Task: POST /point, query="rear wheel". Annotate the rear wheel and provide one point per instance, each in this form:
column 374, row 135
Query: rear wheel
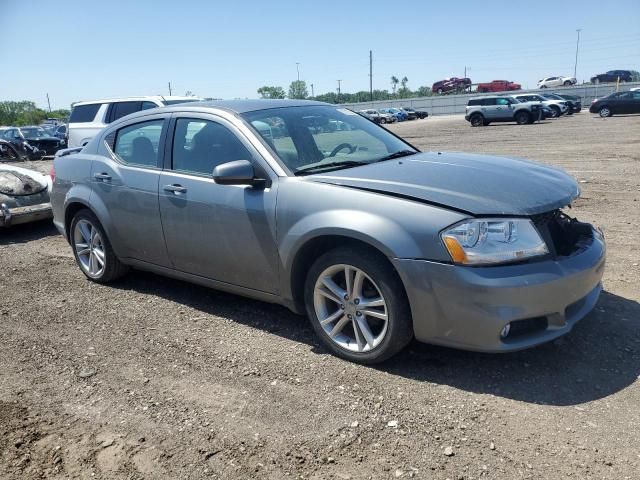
column 357, row 305
column 439, row 91
column 476, row 120
column 605, row 112
column 92, row 249
column 522, row 118
column 567, row 83
column 383, row 120
column 555, row 111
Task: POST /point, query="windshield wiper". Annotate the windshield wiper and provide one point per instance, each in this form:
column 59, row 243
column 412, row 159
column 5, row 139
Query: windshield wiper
column 328, row 166
column 391, row 156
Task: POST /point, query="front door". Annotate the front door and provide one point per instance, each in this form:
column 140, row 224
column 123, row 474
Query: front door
column 125, row 186
column 222, row 232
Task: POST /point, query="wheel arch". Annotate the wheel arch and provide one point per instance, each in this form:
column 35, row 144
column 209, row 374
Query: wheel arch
column 316, row 246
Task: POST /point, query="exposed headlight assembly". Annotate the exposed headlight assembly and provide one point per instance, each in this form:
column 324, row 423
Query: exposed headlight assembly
column 486, row 241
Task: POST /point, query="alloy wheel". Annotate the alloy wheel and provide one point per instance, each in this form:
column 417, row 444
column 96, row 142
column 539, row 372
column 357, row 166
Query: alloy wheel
column 605, row 112
column 89, row 248
column 350, row 308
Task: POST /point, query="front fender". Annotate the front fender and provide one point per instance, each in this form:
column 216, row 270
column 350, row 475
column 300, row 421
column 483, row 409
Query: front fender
column 381, row 233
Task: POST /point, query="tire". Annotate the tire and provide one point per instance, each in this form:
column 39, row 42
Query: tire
column 522, row 118
column 476, row 120
column 605, row 111
column 567, row 83
column 86, row 233
column 543, row 86
column 382, row 120
column 556, row 111
column 379, row 338
column 439, row 92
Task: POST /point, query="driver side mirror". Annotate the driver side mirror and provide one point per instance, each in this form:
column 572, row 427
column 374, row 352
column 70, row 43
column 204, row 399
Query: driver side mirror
column 238, row 172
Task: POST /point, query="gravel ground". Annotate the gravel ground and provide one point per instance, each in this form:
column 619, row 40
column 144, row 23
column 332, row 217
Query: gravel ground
column 156, row 378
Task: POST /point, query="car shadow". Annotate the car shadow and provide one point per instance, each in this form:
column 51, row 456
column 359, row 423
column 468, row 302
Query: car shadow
column 600, row 357
column 27, row 232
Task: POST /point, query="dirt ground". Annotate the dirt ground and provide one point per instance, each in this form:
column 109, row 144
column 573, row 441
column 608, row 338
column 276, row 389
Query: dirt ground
column 156, row 378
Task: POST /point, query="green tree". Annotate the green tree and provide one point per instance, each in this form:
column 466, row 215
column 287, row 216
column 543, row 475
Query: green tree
column 394, row 84
column 26, row 113
column 423, row 91
column 404, row 91
column 298, row 89
column 271, row 92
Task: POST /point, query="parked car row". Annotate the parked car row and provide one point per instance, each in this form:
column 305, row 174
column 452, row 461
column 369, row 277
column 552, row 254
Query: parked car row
column 462, row 85
column 521, row 109
column 391, row 115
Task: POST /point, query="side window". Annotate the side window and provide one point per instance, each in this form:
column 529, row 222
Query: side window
column 473, row 102
column 148, row 105
column 139, row 144
column 488, row 101
column 121, row 109
column 502, row 101
column 201, row 145
column 84, row 113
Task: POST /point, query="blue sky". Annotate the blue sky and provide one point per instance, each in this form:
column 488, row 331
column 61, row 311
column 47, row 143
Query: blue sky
column 88, row 49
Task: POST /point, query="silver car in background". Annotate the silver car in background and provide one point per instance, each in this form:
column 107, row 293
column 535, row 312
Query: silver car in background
column 375, row 241
column 557, row 107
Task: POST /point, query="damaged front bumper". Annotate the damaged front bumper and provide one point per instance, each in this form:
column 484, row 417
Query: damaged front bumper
column 18, row 215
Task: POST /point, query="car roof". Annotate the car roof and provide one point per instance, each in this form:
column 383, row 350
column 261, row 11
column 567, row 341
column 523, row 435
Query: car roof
column 232, row 106
column 135, row 98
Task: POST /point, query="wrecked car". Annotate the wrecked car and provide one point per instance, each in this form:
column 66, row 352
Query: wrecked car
column 376, row 242
column 24, row 196
column 9, row 153
column 34, row 142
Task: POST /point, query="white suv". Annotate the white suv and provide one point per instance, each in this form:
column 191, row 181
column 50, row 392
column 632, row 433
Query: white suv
column 88, row 118
column 551, row 82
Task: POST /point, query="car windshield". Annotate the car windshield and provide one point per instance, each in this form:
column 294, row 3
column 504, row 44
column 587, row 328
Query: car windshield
column 323, row 138
column 34, row 132
column 553, row 96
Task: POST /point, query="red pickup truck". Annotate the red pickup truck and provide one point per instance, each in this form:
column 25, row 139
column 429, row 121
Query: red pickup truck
column 498, row 86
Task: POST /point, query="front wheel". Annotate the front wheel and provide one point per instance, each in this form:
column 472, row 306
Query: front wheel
column 357, row 305
column 567, row 83
column 555, row 111
column 605, row 112
column 92, row 249
column 382, row 120
column 476, row 120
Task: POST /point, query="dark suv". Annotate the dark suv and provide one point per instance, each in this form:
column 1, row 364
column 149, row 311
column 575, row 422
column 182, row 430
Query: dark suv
column 613, row 75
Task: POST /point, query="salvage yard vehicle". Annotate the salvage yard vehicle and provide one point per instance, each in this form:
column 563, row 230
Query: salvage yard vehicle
column 26, row 150
column 616, row 103
column 43, row 140
column 89, row 117
column 558, row 107
column 481, row 111
column 615, row 76
column 556, row 82
column 24, row 196
column 413, row 113
column 375, row 241
column 9, row 153
column 452, row 84
column 574, row 101
column 498, row 86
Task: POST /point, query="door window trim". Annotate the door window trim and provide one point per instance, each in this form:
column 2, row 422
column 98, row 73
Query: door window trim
column 257, row 160
column 144, row 119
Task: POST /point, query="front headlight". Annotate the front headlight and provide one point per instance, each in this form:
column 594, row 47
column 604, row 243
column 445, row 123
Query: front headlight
column 493, row 240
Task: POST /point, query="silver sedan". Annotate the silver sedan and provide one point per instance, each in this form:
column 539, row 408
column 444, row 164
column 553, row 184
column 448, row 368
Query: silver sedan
column 317, row 208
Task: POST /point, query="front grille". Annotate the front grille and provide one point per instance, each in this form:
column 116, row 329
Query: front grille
column 563, row 235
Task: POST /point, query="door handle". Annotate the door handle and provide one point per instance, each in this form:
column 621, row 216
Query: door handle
column 175, row 188
column 102, row 176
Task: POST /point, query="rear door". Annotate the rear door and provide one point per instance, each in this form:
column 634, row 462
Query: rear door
column 635, row 102
column 125, row 187
column 489, row 109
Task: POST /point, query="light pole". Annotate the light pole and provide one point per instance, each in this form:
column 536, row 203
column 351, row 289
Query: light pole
column 575, row 67
column 298, row 69
column 339, row 81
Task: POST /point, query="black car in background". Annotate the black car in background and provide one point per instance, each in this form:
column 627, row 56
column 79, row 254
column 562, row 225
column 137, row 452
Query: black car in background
column 413, row 113
column 574, row 107
column 616, row 103
column 27, row 138
column 614, row 75
column 575, row 101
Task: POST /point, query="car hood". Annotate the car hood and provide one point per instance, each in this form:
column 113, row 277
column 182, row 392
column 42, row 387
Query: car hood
column 42, row 139
column 473, row 184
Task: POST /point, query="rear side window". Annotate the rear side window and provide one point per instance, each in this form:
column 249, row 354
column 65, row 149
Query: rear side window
column 488, row 101
column 120, row 109
column 84, row 113
column 139, row 144
column 474, row 101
